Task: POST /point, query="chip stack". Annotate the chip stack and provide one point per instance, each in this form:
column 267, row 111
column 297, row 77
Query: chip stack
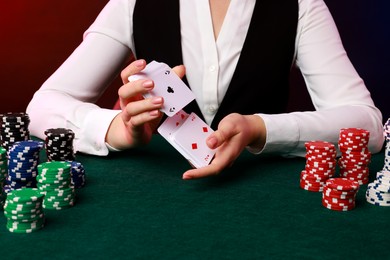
column 54, row 180
column 78, row 174
column 386, row 133
column 340, row 194
column 3, row 173
column 23, row 159
column 23, row 210
column 59, row 144
column 320, row 165
column 355, row 156
column 14, row 128
column 378, row 191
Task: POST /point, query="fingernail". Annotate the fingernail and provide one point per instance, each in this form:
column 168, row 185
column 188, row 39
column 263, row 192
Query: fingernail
column 139, row 63
column 157, row 100
column 212, row 142
column 154, row 113
column 148, row 84
column 186, row 177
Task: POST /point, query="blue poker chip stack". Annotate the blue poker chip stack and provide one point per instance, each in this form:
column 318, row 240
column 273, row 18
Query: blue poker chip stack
column 23, row 159
column 378, row 192
column 14, row 128
column 78, row 174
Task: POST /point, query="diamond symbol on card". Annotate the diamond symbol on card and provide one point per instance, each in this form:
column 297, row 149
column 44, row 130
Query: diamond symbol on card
column 205, row 129
column 194, row 146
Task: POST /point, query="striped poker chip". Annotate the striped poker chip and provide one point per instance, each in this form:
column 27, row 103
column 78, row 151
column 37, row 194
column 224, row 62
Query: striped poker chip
column 320, row 165
column 55, row 181
column 23, row 159
column 59, row 144
column 338, row 201
column 340, row 194
column 342, row 184
column 378, row 191
column 336, row 207
column 13, row 128
column 319, row 145
column 355, row 155
column 377, row 198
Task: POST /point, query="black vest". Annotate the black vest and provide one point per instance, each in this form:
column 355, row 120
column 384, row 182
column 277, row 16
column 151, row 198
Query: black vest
column 260, row 80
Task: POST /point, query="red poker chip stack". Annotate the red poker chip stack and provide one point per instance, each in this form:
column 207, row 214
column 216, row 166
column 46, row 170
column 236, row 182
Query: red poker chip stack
column 320, row 165
column 340, row 194
column 355, row 156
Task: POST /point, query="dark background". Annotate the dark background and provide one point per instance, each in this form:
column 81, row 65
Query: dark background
column 37, row 36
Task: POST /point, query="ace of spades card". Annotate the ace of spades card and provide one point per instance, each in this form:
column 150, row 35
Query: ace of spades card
column 167, row 85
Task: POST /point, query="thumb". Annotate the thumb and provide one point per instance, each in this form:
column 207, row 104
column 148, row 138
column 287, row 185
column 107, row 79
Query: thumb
column 179, row 70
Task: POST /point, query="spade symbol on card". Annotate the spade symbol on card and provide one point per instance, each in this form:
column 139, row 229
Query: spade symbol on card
column 170, row 90
column 172, row 109
column 167, row 72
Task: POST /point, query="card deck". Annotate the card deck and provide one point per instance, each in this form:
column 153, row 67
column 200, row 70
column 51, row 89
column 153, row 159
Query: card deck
column 191, row 137
column 188, row 134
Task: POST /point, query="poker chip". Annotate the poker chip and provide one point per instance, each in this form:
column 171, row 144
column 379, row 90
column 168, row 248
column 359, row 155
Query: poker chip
column 339, row 194
column 55, row 181
column 320, row 165
column 23, row 159
column 59, row 144
column 355, row 156
column 13, row 128
column 386, row 133
column 78, row 179
column 23, row 210
column 378, row 191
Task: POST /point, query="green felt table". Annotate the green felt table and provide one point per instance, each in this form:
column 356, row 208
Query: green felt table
column 136, row 206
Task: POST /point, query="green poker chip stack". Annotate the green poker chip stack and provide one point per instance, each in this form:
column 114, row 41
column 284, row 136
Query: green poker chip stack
column 3, row 174
column 54, row 180
column 23, row 209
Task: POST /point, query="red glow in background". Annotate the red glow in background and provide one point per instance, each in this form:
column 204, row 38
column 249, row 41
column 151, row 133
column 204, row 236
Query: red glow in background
column 37, row 36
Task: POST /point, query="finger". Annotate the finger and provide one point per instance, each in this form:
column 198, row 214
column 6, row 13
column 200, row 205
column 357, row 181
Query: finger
column 135, row 88
column 179, row 70
column 226, row 130
column 220, row 162
column 134, row 67
column 144, row 118
column 145, row 105
column 201, row 172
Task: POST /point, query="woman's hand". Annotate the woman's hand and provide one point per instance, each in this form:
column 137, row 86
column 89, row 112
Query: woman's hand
column 234, row 133
column 139, row 117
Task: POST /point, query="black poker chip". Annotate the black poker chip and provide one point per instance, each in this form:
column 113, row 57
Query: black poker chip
column 13, row 128
column 59, row 144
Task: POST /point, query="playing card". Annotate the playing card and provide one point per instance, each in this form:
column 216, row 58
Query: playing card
column 170, row 126
column 191, row 137
column 167, row 85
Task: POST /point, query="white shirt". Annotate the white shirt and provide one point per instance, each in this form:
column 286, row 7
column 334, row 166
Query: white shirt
column 338, row 93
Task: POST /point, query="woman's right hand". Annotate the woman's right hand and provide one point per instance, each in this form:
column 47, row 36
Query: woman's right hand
column 139, row 117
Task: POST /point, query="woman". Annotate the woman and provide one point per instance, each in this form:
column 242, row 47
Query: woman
column 237, row 56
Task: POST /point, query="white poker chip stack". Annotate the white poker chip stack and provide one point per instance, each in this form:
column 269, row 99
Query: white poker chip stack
column 378, row 191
